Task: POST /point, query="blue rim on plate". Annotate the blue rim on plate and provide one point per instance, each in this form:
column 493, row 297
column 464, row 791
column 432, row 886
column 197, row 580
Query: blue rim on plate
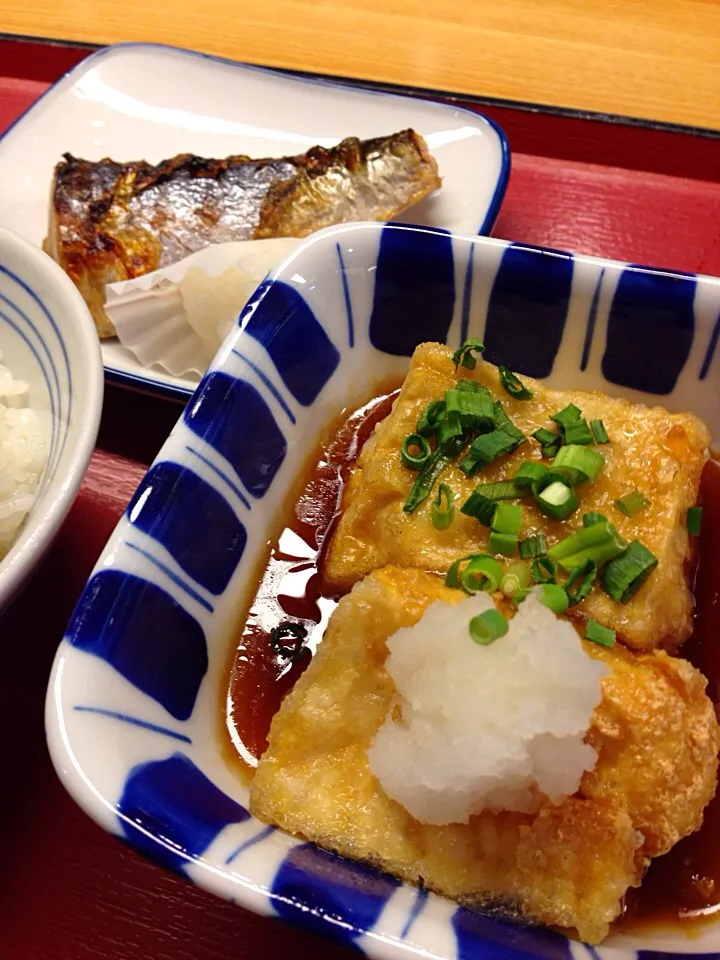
column 138, row 686
column 145, row 381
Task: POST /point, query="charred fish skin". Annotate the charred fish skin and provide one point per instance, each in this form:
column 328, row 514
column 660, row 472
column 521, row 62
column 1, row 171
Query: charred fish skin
column 113, row 221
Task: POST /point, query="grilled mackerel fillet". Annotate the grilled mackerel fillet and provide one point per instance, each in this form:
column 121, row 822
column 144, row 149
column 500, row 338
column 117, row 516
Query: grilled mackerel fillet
column 114, row 221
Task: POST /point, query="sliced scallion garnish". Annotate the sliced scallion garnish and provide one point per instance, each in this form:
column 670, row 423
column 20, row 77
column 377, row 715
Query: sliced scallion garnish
column 591, row 518
column 597, row 633
column 530, row 472
column 431, row 416
column 556, row 499
column 599, row 431
column 624, row 576
column 631, row 503
column 554, row 597
column 502, row 490
column 450, row 439
column 599, row 542
column 517, row 577
column 481, row 572
column 463, row 356
column 580, row 582
column 443, row 509
column 568, row 415
column 578, row 433
column 487, row 627
column 415, row 451
column 486, row 448
column 508, row 518
column 474, row 407
column 694, row 521
column 502, row 543
column 479, row 507
column 521, row 595
column 549, row 441
column 513, row 385
column 579, row 464
column 544, row 570
column 535, row 546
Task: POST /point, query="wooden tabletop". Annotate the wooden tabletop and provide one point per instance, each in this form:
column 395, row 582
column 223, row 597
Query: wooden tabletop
column 638, row 58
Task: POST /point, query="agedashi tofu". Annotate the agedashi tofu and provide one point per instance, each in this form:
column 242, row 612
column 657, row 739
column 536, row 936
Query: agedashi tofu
column 565, row 864
column 650, row 450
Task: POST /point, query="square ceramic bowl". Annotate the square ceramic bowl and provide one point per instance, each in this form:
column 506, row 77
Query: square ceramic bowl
column 136, row 699
column 48, row 339
column 137, row 101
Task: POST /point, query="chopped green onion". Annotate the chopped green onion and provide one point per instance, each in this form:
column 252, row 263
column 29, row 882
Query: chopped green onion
column 475, row 408
column 443, row 510
column 471, row 386
column 554, row 597
column 503, row 439
column 589, row 519
column 568, row 415
column 488, row 627
column 486, row 448
column 579, row 464
column 521, row 595
column 631, row 503
column 479, row 507
column 502, row 490
column 449, row 429
column 580, row 582
column 431, row 416
column 578, row 433
column 535, row 546
column 508, row 518
column 513, row 385
column 288, row 639
column 624, row 576
column 599, row 634
column 503, row 543
column 544, row 570
column 549, row 441
column 503, row 422
column 599, row 431
column 557, row 500
column 517, row 577
column 529, row 472
column 481, row 573
column 415, row 451
column 450, row 441
column 694, row 521
column 463, row 356
column 599, row 542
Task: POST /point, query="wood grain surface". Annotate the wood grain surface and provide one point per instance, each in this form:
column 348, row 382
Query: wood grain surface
column 653, row 59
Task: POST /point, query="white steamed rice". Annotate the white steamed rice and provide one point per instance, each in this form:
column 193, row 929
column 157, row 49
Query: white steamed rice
column 23, row 456
column 485, row 727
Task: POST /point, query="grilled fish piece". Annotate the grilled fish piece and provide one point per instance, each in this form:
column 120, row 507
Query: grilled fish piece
column 114, row 221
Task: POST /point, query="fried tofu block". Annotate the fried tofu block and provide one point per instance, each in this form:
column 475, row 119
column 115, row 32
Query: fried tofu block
column 567, row 865
column 651, row 450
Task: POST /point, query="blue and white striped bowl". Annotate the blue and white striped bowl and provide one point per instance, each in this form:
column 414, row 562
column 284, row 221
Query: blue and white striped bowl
column 47, row 338
column 137, row 695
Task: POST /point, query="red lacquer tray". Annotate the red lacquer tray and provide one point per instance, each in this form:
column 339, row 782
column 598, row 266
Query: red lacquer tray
column 599, row 186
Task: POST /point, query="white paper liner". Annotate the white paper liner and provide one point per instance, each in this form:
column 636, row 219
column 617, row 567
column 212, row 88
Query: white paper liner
column 176, row 318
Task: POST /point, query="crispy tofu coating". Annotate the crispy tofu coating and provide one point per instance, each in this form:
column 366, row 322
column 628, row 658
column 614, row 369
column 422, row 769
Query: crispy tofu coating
column 651, row 450
column 567, row 865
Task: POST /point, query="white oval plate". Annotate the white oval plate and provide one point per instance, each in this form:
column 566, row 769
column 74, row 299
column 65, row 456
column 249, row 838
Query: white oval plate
column 146, row 101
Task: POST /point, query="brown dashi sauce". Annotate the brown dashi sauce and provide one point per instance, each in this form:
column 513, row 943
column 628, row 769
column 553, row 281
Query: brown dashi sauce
column 680, row 889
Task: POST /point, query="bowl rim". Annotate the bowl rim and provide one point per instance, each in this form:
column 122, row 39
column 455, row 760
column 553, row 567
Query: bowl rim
column 206, row 875
column 39, row 529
